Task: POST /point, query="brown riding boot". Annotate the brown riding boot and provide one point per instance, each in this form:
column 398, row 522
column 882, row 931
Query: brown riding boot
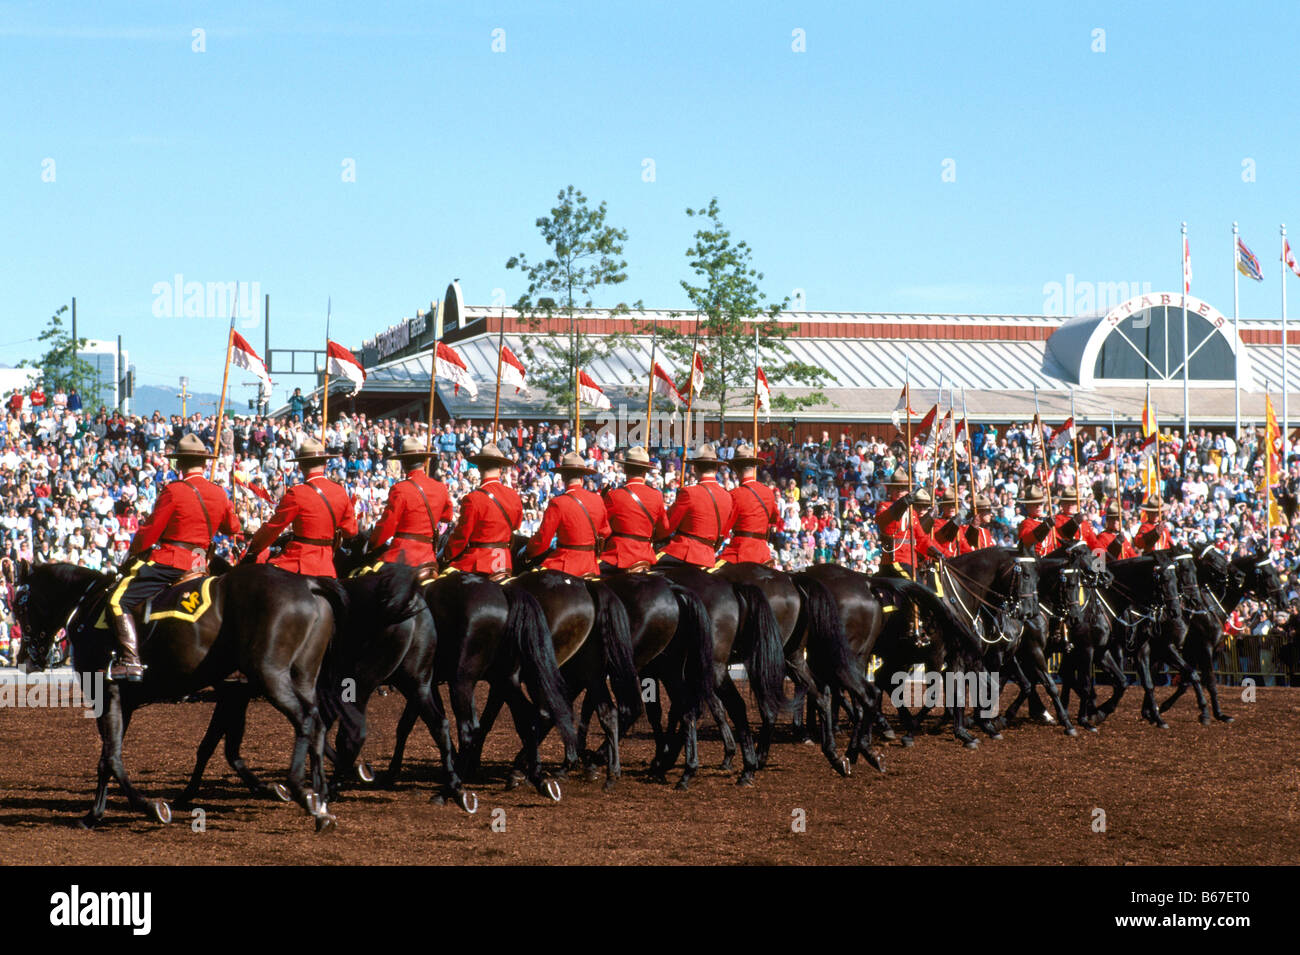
column 126, row 663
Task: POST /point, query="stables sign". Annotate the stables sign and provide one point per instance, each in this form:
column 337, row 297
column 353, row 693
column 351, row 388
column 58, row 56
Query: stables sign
column 393, row 339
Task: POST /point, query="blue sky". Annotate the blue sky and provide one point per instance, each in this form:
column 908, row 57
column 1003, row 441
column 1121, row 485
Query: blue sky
column 227, row 164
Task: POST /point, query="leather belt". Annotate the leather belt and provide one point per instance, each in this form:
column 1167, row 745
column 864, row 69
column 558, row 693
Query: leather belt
column 712, row 542
column 317, row 541
column 186, row 545
column 422, row 538
column 633, row 537
column 490, row 544
column 564, row 546
column 754, row 534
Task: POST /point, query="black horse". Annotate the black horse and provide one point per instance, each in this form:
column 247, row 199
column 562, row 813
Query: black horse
column 904, row 623
column 272, row 625
column 1223, row 584
column 745, row 631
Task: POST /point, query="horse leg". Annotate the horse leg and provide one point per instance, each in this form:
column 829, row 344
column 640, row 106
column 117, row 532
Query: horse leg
column 301, row 713
column 734, row 704
column 405, row 723
column 207, row 746
column 112, row 728
column 1043, row 675
column 718, row 710
column 527, row 722
column 1150, row 711
column 819, row 697
column 422, row 696
column 1212, row 684
column 468, row 728
column 607, row 713
column 1116, row 674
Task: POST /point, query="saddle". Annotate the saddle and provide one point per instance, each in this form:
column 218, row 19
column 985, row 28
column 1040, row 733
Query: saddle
column 188, row 599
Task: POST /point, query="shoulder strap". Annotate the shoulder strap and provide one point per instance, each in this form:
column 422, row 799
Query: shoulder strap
column 717, row 515
column 206, row 518
column 433, row 525
column 334, row 520
column 500, row 507
column 595, row 538
column 644, row 510
column 758, row 497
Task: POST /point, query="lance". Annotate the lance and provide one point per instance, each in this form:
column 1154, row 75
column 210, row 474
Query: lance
column 501, row 344
column 433, row 384
column 907, row 512
column 225, row 380
column 325, row 398
column 690, row 397
column 952, row 410
column 1078, row 465
column 756, row 389
column 1114, row 452
column 650, row 395
column 970, row 459
column 1042, row 440
column 577, row 408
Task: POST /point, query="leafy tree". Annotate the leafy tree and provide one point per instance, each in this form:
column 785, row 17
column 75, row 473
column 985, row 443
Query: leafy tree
column 731, row 307
column 61, row 367
column 585, row 255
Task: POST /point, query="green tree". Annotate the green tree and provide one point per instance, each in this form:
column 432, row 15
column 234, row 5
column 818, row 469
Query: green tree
column 585, row 255
column 61, row 367
column 731, row 307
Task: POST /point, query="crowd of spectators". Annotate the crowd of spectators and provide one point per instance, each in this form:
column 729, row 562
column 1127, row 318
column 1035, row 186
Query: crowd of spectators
column 75, row 483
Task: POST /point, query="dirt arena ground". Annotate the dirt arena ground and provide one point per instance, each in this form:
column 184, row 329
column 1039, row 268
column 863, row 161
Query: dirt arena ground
column 1192, row 795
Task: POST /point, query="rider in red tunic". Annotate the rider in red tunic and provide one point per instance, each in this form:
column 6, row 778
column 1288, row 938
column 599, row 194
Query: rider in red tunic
column 977, row 535
column 1071, row 524
column 636, row 516
column 1153, row 535
column 1035, row 533
column 575, row 520
column 415, row 508
column 898, row 525
column 700, row 515
column 319, row 512
column 1112, row 540
column 944, row 529
column 489, row 516
column 753, row 515
column 176, row 536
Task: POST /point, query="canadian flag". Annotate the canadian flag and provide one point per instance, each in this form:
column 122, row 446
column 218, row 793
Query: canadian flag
column 663, row 385
column 242, row 355
column 451, row 364
column 1062, row 436
column 923, row 429
column 762, row 393
column 513, row 371
column 590, row 393
column 695, row 383
column 343, row 364
column 1289, row 257
column 901, row 408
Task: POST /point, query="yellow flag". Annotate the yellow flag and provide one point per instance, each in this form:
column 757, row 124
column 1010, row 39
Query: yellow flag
column 1272, row 463
column 1151, row 461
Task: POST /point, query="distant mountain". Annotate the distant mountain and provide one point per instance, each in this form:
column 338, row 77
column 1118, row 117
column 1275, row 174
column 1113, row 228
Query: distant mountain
column 151, row 398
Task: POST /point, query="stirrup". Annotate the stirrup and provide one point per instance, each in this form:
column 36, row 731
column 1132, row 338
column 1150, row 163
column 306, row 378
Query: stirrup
column 129, row 672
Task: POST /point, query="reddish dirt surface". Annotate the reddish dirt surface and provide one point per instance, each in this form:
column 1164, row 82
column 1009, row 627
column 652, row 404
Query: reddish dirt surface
column 1191, row 795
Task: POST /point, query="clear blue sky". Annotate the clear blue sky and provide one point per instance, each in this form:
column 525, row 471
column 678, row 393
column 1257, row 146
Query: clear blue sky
column 227, row 164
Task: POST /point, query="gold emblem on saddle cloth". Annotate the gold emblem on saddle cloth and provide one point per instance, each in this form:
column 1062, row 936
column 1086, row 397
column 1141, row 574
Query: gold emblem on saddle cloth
column 190, row 607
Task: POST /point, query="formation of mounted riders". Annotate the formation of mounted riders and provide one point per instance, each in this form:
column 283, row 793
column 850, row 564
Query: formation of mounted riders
column 615, row 599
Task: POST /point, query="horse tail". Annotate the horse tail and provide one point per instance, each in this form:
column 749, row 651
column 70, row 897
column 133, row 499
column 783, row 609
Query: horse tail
column 397, row 587
column 615, row 632
column 541, row 672
column 696, row 626
column 335, row 595
column 940, row 610
column 765, row 664
column 829, row 657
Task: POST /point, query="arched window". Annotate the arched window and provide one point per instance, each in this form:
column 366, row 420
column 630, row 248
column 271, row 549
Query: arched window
column 1149, row 345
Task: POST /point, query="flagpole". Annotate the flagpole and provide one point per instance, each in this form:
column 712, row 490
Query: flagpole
column 650, row 396
column 970, row 456
column 433, row 379
column 911, row 524
column 756, row 389
column 1236, row 338
column 956, row 478
column 577, row 409
column 1286, row 380
column 1268, row 457
column 225, row 380
column 1074, row 440
column 501, row 344
column 1187, row 372
column 1114, row 454
column 325, row 398
column 1042, row 443
column 690, row 397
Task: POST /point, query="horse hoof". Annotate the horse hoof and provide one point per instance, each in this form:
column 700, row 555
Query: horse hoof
column 438, row 799
column 513, row 780
column 1047, row 719
column 1206, row 721
column 746, row 779
column 1227, row 719
column 1071, row 731
column 972, row 744
column 325, row 822
column 468, row 801
column 1091, row 728
column 996, row 736
column 609, row 784
column 553, row 790
column 843, row 768
column 87, row 823
column 591, row 774
column 889, row 735
column 725, row 765
column 876, row 760
column 659, row 778
column 683, row 784
column 281, row 792
column 908, row 742
column 1161, row 724
column 161, row 811
column 365, row 773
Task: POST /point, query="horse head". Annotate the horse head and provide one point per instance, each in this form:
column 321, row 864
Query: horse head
column 1264, row 580
column 1189, row 582
column 1168, row 588
column 39, row 615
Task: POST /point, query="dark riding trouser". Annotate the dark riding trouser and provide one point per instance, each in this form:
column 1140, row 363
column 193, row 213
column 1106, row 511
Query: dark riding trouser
column 142, row 582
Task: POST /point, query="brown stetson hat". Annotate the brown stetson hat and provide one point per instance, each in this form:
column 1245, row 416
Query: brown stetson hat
column 1152, row 505
column 1112, row 509
column 189, row 446
column 922, row 498
column 745, row 457
column 413, row 449
column 491, row 457
column 310, row 450
column 1033, row 494
column 704, row 459
column 572, row 463
column 1068, row 496
column 637, row 459
column 982, row 503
